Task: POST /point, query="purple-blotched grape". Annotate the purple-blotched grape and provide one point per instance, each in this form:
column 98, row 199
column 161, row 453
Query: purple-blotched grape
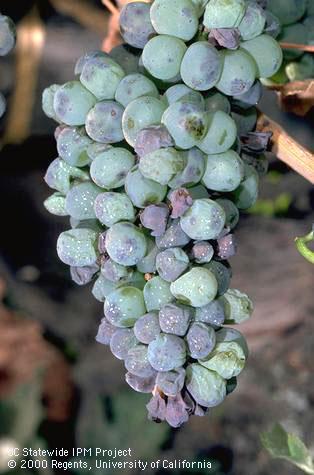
column 137, row 362
column 175, row 319
column 121, row 342
column 167, row 352
column 201, row 340
column 147, row 328
column 171, row 263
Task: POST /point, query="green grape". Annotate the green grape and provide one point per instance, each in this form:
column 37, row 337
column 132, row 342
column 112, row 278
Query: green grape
column 207, row 387
column 309, row 24
column 124, row 306
column 238, row 72
column 167, row 352
column 201, row 66
column 79, row 202
column 224, row 14
column 139, row 114
column 231, row 211
column 102, row 288
column 7, row 35
column 304, row 69
column 55, row 204
column 48, row 101
column 227, row 359
column 72, row 144
column 267, row 63
column 287, row 11
column 221, row 135
column 72, row 102
column 80, row 63
column 162, row 165
column 101, row 76
column 141, row 191
column 96, row 148
column 222, row 274
column 110, row 208
column 224, row 172
column 157, row 294
column 104, row 122
column 193, row 171
column 197, row 288
column 134, row 86
column 181, row 92
column 246, row 195
column 253, row 22
column 92, row 224
column 215, row 101
column 177, row 18
column 127, row 57
column 186, row 122
column 162, row 56
column 60, row 175
column 110, row 168
column 228, row 334
column 126, row 244
column 200, row 6
column 137, row 280
column 77, row 247
column 238, row 307
column 204, row 220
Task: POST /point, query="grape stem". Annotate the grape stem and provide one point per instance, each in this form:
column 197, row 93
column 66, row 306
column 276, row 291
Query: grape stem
column 301, row 47
column 287, row 149
column 110, row 6
column 302, row 246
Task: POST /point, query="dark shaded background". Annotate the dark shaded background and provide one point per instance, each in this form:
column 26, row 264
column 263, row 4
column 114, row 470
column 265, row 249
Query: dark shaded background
column 69, row 391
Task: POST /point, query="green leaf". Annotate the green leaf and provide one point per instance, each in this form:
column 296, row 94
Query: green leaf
column 281, row 444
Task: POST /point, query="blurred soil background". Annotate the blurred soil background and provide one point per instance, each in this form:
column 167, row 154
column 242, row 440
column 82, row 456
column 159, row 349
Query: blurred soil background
column 59, row 387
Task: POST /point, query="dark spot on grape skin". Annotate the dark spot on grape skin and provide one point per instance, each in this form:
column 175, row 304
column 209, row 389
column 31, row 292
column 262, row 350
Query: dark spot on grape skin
column 130, row 123
column 238, row 86
column 195, row 127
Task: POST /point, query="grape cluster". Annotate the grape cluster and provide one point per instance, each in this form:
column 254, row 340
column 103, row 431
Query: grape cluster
column 296, row 25
column 157, row 155
column 7, row 42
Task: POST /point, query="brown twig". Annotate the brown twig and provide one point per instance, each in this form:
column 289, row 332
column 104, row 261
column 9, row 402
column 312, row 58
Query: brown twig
column 301, row 47
column 83, row 12
column 110, row 6
column 287, row 149
column 296, row 96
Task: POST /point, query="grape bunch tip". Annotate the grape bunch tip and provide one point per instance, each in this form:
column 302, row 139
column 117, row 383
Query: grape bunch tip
column 157, row 156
